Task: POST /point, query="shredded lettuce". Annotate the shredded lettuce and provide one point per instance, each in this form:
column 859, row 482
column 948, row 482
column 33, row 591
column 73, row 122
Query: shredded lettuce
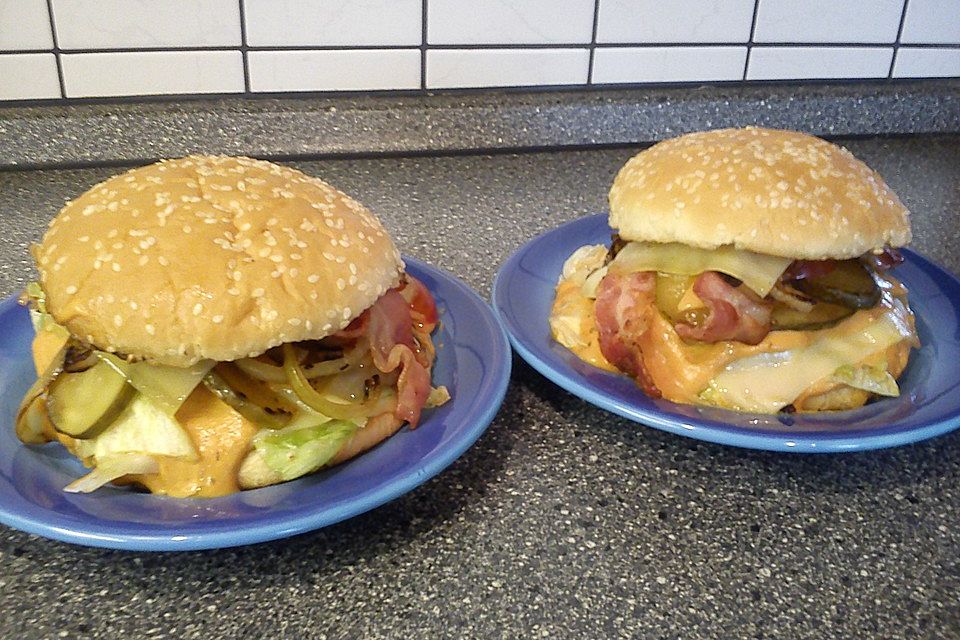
column 298, row 450
column 142, row 427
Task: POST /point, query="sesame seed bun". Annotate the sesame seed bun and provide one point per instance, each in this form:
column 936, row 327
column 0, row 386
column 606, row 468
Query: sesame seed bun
column 212, row 257
column 775, row 192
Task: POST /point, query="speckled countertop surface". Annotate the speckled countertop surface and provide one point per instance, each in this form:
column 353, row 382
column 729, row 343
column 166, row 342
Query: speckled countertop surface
column 562, row 521
column 97, row 133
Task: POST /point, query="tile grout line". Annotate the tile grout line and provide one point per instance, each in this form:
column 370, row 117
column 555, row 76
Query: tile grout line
column 593, row 41
column 753, row 29
column 56, row 50
column 491, row 47
column 423, row 45
column 896, row 44
column 244, row 49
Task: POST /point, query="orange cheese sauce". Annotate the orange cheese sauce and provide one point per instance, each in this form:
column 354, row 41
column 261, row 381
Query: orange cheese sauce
column 222, row 439
column 570, row 301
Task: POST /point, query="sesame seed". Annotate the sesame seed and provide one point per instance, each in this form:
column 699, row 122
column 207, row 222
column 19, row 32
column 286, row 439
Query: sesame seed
column 197, row 309
column 313, row 278
column 256, row 293
column 217, row 319
column 71, row 290
column 117, row 321
column 150, row 329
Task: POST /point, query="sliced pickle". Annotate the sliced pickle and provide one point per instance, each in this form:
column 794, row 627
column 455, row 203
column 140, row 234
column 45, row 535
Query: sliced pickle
column 670, row 291
column 83, row 404
column 821, row 316
column 849, row 284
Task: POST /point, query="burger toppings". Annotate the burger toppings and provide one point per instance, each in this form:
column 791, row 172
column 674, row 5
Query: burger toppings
column 759, row 272
column 768, row 381
column 734, row 313
column 713, row 307
column 307, row 405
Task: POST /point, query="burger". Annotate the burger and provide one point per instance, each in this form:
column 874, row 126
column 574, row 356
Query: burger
column 210, row 324
column 749, row 270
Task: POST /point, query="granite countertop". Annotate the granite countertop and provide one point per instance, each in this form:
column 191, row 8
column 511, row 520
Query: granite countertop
column 563, row 521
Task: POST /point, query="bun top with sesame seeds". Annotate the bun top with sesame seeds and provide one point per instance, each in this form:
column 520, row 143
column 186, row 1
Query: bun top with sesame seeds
column 212, row 257
column 775, row 192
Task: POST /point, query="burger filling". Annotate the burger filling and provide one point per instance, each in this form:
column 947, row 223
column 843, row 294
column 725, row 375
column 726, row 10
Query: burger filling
column 737, row 329
column 215, row 427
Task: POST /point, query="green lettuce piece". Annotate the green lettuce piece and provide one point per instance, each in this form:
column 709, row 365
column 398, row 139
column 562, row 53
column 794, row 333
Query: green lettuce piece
column 296, row 451
column 869, row 378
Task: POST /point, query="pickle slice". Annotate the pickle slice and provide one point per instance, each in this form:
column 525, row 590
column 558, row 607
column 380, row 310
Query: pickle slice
column 849, row 284
column 821, row 316
column 670, row 291
column 85, row 403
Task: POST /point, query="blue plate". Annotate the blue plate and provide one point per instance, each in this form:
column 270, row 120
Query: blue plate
column 929, row 403
column 473, row 361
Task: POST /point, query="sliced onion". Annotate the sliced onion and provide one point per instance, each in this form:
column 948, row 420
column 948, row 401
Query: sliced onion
column 260, row 370
column 249, row 410
column 267, row 372
column 110, row 468
column 310, row 396
column 791, row 297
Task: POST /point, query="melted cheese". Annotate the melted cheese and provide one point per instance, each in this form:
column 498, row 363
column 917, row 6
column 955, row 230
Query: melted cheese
column 757, row 271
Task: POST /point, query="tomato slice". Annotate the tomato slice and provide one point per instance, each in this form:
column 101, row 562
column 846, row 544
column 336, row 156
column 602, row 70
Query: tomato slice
column 422, row 305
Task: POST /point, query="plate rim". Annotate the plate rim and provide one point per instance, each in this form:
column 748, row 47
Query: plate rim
column 480, row 415
column 796, row 442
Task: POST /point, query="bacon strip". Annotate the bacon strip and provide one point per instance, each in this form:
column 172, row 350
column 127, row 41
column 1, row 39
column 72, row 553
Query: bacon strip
column 392, row 345
column 735, row 313
column 621, row 309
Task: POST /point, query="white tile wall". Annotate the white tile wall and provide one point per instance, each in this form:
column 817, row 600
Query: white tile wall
column 509, row 21
column 668, row 64
column 828, row 20
column 807, row 63
column 657, row 21
column 110, row 48
column 932, row 21
column 135, row 24
column 150, row 73
column 28, row 76
column 927, row 63
column 453, row 68
column 325, row 23
column 355, row 70
column 24, row 24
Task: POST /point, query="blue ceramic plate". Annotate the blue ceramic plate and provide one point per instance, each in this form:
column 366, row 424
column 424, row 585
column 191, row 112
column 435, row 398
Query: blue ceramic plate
column 473, row 361
column 929, row 403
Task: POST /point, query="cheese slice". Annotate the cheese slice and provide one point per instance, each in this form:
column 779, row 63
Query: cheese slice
column 758, row 271
column 767, row 382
